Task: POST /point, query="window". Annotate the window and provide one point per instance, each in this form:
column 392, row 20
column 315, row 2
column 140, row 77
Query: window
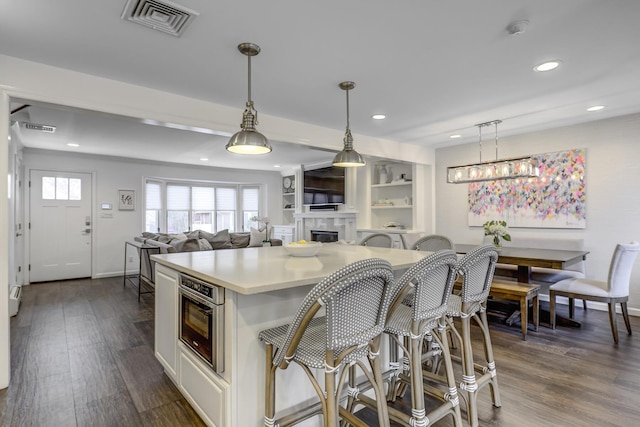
column 60, row 188
column 153, row 206
column 199, row 206
column 250, row 204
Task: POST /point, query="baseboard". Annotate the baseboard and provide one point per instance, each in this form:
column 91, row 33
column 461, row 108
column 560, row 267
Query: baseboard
column 113, row 274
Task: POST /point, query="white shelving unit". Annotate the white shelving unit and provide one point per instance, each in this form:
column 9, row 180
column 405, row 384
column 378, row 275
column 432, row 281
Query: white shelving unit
column 392, row 194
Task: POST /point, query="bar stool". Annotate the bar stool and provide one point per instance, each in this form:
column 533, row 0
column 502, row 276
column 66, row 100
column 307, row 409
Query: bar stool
column 425, row 290
column 356, row 299
column 476, row 269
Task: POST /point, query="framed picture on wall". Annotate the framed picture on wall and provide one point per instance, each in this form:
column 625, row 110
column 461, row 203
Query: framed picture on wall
column 126, row 200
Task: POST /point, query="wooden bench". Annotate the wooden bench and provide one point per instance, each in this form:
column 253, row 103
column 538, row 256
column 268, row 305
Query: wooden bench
column 523, row 293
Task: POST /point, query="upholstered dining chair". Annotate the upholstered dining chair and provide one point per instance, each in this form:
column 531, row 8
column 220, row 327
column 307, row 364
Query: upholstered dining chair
column 614, row 290
column 378, row 240
column 433, row 243
column 476, row 270
column 356, row 300
column 425, row 290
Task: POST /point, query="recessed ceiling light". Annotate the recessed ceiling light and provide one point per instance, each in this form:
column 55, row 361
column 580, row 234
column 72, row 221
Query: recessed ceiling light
column 455, row 136
column 204, row 159
column 71, row 144
column 596, row 108
column 276, row 166
column 547, row 66
column 378, row 117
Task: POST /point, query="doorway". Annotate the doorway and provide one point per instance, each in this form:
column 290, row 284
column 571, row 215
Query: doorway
column 60, row 225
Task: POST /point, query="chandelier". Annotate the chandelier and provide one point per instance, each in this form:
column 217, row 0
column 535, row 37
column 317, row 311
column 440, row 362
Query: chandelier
column 518, row 167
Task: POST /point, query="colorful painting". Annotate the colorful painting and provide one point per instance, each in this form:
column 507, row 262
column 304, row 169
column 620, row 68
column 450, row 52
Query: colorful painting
column 555, row 199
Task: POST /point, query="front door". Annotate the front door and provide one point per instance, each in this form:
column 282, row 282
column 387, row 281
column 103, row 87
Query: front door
column 60, row 225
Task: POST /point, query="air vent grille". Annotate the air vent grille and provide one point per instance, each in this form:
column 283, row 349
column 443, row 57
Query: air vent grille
column 42, row 128
column 163, row 16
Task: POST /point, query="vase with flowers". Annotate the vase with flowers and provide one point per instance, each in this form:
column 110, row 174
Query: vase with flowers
column 263, row 225
column 499, row 231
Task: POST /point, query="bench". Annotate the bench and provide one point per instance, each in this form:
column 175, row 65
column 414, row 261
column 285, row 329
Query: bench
column 523, row 293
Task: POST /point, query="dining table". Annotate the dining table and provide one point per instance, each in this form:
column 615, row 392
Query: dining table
column 525, row 259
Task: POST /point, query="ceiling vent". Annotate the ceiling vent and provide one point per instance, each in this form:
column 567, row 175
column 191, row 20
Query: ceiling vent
column 41, row 128
column 163, row 16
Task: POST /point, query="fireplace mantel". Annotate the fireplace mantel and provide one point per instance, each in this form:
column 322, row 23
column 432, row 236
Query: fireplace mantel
column 344, row 222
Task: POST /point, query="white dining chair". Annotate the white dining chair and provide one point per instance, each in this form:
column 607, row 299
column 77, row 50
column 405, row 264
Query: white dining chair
column 614, row 290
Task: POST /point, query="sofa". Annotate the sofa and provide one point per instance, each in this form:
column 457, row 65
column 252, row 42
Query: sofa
column 191, row 241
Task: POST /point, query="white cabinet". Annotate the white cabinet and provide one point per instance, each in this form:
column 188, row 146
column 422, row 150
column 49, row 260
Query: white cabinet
column 166, row 320
column 207, row 393
column 286, row 233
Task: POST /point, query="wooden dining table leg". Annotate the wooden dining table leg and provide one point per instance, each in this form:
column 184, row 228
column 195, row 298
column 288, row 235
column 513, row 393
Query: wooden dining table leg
column 524, row 274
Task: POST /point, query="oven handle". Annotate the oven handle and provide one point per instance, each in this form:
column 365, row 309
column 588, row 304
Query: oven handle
column 195, row 296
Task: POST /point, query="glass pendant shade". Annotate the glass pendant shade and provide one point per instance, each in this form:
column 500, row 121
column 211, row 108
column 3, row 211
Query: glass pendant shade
column 348, row 157
column 249, row 140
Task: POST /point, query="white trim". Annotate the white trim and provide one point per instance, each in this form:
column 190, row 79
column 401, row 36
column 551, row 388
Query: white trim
column 5, row 353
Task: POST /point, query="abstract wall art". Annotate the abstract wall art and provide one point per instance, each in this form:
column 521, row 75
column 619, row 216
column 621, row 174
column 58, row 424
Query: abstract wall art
column 555, row 199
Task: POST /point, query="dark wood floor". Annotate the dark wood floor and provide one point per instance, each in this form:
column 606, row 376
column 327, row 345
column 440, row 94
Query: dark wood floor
column 82, row 354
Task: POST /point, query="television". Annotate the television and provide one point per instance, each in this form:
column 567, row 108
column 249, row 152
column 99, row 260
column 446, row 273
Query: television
column 324, row 186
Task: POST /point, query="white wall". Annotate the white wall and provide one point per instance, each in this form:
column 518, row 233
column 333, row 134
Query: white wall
column 111, row 174
column 612, row 181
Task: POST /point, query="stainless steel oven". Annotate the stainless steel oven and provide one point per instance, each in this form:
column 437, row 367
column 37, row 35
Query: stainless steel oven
column 202, row 319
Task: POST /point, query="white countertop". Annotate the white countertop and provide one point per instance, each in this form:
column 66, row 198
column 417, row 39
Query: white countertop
column 255, row 270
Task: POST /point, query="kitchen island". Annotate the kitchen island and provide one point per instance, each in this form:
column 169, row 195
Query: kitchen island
column 263, row 288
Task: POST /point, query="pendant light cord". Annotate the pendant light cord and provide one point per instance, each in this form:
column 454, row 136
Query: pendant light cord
column 348, row 122
column 249, row 78
column 496, row 126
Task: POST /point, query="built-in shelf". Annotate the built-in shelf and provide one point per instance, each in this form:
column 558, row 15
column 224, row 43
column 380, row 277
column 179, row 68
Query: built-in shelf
column 392, row 207
column 392, row 184
column 391, row 194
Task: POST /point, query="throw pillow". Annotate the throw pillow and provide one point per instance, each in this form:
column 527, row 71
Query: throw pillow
column 195, row 234
column 220, row 240
column 257, row 237
column 186, row 245
column 240, row 240
column 204, row 245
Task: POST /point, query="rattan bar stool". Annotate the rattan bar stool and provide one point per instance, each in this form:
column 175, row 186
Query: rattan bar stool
column 356, row 300
column 425, row 290
column 476, row 270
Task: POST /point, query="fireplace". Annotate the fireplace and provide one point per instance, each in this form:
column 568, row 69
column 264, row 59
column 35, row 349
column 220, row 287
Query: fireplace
column 324, row 236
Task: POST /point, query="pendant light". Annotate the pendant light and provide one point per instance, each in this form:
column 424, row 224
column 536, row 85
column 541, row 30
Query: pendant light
column 249, row 140
column 348, row 157
column 519, row 167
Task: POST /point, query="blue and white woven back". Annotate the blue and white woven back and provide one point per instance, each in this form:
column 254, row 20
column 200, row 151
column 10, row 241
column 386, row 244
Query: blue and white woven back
column 477, row 268
column 356, row 300
column 433, row 278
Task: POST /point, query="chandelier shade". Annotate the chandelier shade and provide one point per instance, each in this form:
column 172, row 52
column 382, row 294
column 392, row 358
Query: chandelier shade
column 518, row 167
column 249, row 140
column 348, row 157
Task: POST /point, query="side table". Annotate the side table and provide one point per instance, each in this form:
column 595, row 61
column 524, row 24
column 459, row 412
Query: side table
column 139, row 279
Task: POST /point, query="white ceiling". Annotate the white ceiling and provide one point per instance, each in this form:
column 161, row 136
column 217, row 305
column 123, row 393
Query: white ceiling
column 434, row 67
